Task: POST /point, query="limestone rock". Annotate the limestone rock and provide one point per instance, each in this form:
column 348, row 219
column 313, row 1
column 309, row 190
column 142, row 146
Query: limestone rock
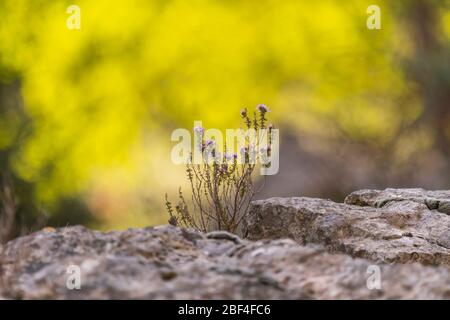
column 434, row 200
column 167, row 262
column 390, row 226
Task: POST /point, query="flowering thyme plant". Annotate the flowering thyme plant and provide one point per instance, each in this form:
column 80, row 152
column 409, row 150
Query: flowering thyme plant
column 222, row 184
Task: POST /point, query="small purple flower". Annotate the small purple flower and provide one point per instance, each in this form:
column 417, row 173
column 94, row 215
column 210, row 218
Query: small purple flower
column 243, row 112
column 209, row 143
column 208, row 146
column 270, row 126
column 262, row 108
column 228, row 156
column 200, row 130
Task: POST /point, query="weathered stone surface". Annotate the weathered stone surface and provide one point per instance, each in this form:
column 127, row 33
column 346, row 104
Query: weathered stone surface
column 167, row 262
column 401, row 226
column 434, row 200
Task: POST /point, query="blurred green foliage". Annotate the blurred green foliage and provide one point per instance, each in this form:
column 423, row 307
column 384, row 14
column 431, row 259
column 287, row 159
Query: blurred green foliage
column 94, row 107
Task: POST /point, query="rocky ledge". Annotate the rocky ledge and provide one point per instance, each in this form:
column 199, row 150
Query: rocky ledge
column 391, row 226
column 166, row 262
